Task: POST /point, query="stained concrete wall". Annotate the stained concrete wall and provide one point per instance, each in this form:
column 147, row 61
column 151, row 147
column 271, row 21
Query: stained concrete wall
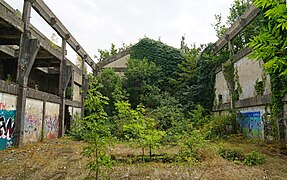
column 119, row 63
column 78, row 78
column 221, row 89
column 52, row 120
column 249, row 72
column 33, row 121
column 251, row 107
column 7, row 119
column 77, row 93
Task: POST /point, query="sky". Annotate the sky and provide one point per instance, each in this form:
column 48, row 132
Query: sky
column 97, row 23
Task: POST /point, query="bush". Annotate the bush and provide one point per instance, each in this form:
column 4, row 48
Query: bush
column 221, row 126
column 254, row 158
column 190, row 143
column 231, row 154
column 250, row 159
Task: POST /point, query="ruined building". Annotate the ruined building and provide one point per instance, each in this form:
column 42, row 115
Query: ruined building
column 40, row 89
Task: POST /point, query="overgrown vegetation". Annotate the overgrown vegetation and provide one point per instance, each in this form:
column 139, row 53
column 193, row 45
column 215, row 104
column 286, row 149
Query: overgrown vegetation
column 251, row 159
column 270, row 46
column 167, row 94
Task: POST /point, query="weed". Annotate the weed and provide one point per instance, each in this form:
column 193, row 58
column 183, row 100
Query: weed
column 254, row 158
column 231, row 154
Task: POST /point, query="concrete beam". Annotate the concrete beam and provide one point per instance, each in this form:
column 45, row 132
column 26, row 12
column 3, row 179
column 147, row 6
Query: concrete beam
column 8, row 15
column 237, row 27
column 250, row 102
column 9, row 51
column 44, row 11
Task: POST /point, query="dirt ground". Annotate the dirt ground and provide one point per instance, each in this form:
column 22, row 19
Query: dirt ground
column 62, row 159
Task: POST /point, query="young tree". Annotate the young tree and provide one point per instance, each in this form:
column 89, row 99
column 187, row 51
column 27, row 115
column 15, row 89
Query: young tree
column 95, row 130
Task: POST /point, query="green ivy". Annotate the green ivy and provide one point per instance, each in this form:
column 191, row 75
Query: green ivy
column 260, row 85
column 164, row 56
column 270, row 46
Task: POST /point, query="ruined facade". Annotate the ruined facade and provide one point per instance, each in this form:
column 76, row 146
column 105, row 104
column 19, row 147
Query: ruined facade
column 40, row 89
column 252, row 84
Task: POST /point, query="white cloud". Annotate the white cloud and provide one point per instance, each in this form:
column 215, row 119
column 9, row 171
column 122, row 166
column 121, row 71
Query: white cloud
column 97, row 24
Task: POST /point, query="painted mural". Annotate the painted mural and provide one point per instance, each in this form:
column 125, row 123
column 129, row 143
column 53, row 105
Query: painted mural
column 33, row 121
column 7, row 120
column 52, row 120
column 251, row 124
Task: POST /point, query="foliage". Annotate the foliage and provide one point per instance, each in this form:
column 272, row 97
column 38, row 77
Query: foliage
column 110, row 85
column 199, row 117
column 187, row 77
column 95, row 129
column 138, row 127
column 190, row 143
column 270, row 46
column 221, row 126
column 105, row 53
column 69, row 92
column 231, row 154
column 54, row 40
column 235, row 11
column 125, row 115
column 232, row 79
column 250, row 159
column 141, row 80
column 254, row 158
column 260, row 85
column 163, row 56
column 168, row 113
column 203, row 93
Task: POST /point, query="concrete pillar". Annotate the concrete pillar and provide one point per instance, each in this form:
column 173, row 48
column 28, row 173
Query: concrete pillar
column 65, row 76
column 28, row 51
column 43, row 122
column 62, row 91
column 84, row 90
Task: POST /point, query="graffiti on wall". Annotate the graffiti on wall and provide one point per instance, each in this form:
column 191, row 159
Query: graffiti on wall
column 52, row 120
column 52, row 126
column 7, row 128
column 251, row 124
column 33, row 120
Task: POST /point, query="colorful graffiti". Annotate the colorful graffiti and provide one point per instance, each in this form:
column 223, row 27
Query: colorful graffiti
column 7, row 128
column 251, row 124
column 33, row 120
column 32, row 128
column 52, row 126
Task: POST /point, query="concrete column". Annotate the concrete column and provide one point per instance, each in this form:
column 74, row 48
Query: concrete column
column 65, row 76
column 83, row 88
column 43, row 122
column 28, row 51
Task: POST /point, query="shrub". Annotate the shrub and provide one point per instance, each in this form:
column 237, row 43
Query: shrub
column 190, row 144
column 230, row 154
column 254, row 158
column 221, row 126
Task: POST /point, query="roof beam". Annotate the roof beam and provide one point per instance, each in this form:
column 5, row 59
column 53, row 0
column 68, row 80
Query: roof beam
column 236, row 27
column 44, row 11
